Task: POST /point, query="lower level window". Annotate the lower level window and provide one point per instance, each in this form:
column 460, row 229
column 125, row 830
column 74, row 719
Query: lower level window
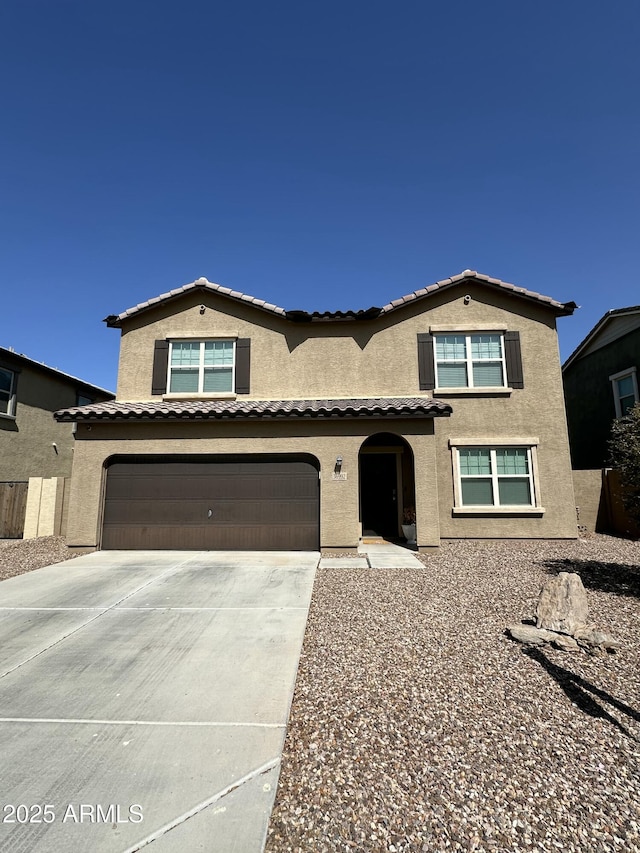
column 495, row 476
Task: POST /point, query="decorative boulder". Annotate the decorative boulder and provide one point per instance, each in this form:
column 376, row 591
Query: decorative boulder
column 562, row 606
column 565, row 643
column 530, row 635
column 591, row 640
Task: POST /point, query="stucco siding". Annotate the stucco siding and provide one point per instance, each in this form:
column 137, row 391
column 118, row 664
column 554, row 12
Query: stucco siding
column 339, row 359
column 339, row 499
column 351, row 359
column 26, row 443
column 590, row 401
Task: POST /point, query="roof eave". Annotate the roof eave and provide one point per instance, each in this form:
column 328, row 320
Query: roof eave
column 279, row 410
column 115, row 321
column 19, row 359
column 602, row 322
column 301, row 316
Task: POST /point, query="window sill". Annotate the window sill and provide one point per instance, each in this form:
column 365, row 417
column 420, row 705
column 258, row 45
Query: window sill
column 498, row 510
column 220, row 395
column 472, row 392
column 7, row 417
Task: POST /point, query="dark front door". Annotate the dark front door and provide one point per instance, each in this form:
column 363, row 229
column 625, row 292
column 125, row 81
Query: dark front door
column 379, row 493
column 199, row 504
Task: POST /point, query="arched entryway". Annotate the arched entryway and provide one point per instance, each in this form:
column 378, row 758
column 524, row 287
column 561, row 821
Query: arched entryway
column 387, row 485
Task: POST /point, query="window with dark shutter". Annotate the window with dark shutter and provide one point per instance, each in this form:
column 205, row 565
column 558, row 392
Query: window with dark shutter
column 513, row 358
column 243, row 366
column 160, row 366
column 426, row 371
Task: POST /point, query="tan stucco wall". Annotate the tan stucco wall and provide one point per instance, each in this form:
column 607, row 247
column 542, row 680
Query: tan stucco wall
column 588, row 487
column 364, row 359
column 339, row 359
column 339, row 499
column 535, row 411
column 45, row 507
column 26, row 443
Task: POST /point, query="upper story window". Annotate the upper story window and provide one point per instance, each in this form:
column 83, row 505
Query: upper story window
column 470, row 361
column 81, row 400
column 625, row 390
column 465, row 360
column 201, row 367
column 7, row 392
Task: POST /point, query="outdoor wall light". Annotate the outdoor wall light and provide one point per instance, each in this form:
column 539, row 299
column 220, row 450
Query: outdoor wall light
column 202, row 309
column 338, row 463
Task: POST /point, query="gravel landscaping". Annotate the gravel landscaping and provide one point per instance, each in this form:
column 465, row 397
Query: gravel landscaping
column 18, row 556
column 417, row 725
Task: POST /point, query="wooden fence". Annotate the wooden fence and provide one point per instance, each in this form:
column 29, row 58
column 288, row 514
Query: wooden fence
column 619, row 521
column 13, row 506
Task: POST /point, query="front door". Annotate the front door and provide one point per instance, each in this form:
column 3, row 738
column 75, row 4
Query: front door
column 379, row 494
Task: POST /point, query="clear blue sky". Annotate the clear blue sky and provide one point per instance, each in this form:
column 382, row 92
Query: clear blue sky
column 325, row 155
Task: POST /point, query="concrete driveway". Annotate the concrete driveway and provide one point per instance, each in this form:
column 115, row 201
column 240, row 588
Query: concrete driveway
column 144, row 698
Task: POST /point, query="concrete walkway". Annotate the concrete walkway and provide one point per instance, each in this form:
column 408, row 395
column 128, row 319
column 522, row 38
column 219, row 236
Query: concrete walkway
column 144, row 698
column 383, row 555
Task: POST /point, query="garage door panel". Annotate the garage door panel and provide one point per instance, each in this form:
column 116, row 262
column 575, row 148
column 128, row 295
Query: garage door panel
column 225, row 538
column 240, row 505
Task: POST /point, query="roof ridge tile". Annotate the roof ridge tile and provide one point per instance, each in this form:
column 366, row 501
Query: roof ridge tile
column 473, row 275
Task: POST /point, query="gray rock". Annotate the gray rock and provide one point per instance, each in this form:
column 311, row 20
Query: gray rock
column 590, row 639
column 562, row 605
column 565, row 643
column 529, row 634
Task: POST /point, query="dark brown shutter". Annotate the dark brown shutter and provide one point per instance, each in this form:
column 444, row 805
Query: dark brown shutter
column 513, row 358
column 426, row 369
column 160, row 364
column 243, row 365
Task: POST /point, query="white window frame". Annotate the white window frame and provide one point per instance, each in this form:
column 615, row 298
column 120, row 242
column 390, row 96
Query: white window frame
column 11, row 402
column 201, row 368
column 615, row 378
column 469, row 361
column 492, row 444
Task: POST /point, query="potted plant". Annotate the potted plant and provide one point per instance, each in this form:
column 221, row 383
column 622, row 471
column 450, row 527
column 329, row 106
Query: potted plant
column 409, row 524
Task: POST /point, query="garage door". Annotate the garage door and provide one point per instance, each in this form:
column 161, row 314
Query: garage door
column 212, row 504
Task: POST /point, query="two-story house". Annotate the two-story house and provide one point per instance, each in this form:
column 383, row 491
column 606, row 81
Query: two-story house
column 239, row 425
column 32, row 444
column 601, row 384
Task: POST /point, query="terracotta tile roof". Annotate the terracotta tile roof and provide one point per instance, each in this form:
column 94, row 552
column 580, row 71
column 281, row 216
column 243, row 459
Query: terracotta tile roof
column 199, row 284
column 251, row 409
column 116, row 320
column 476, row 277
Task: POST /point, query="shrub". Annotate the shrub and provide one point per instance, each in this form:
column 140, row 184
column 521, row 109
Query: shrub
column 624, row 451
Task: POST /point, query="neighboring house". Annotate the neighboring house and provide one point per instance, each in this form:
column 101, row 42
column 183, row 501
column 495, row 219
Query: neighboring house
column 240, row 425
column 32, row 443
column 601, row 384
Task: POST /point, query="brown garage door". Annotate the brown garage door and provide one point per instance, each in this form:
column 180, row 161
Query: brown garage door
column 212, row 503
